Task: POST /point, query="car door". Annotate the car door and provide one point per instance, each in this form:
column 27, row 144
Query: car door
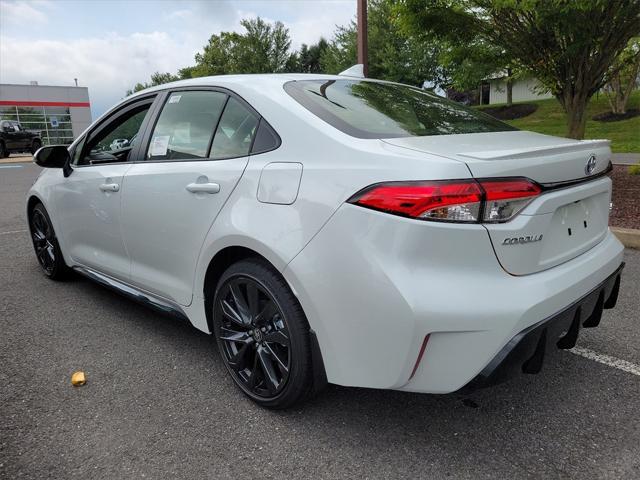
column 23, row 136
column 88, row 202
column 194, row 156
column 11, row 136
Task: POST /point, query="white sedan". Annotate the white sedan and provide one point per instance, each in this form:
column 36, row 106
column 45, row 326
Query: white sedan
column 340, row 229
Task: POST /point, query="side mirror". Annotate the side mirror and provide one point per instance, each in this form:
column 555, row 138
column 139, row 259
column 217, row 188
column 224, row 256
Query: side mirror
column 54, row 156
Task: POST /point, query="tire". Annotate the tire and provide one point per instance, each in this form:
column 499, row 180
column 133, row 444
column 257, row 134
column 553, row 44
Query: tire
column 4, row 153
column 35, row 145
column 262, row 335
column 46, row 244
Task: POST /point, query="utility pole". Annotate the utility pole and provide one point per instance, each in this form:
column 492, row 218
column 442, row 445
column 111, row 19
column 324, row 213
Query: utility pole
column 363, row 47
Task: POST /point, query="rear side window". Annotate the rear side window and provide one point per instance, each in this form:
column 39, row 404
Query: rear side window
column 235, row 131
column 266, row 138
column 186, row 124
column 366, row 109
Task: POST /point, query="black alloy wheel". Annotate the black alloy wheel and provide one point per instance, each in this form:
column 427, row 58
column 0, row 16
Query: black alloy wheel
column 3, row 150
column 46, row 245
column 262, row 334
column 255, row 339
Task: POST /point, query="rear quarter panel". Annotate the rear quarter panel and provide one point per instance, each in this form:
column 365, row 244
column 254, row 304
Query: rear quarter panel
column 334, row 165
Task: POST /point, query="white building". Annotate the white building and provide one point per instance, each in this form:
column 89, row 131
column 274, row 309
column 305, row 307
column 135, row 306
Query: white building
column 524, row 89
column 58, row 113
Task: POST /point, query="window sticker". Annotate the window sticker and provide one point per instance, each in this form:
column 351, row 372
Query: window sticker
column 159, row 146
column 175, row 98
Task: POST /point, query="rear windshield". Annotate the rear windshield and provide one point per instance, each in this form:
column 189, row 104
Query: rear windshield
column 383, row 110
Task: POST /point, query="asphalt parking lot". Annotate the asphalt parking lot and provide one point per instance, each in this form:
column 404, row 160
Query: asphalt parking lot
column 158, row 402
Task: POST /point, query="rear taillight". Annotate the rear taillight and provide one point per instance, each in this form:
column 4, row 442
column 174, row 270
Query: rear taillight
column 451, row 201
column 504, row 199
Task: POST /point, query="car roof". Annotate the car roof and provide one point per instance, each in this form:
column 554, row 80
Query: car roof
column 237, row 80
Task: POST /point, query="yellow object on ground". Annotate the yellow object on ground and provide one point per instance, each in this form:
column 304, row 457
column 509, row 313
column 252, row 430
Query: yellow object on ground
column 78, row 379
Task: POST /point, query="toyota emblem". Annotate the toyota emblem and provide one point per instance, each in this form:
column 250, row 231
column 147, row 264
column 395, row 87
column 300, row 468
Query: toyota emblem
column 591, row 165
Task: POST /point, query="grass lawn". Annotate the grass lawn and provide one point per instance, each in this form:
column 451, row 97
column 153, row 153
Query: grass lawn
column 549, row 119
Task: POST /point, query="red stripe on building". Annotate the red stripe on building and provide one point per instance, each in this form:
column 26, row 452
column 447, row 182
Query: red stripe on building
column 24, row 103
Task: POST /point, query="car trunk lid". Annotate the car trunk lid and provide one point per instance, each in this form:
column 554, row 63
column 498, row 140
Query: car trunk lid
column 570, row 216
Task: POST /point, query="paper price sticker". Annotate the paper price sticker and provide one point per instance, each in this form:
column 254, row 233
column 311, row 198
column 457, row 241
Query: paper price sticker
column 159, row 146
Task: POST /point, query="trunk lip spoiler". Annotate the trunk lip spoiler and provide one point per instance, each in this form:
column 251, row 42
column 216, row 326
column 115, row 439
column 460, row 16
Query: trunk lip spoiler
column 577, row 181
column 534, row 151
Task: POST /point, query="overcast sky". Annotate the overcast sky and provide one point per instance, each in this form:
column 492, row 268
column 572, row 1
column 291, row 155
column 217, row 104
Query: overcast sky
column 110, row 45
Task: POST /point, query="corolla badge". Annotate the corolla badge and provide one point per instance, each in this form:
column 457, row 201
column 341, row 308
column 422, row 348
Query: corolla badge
column 522, row 240
column 591, row 165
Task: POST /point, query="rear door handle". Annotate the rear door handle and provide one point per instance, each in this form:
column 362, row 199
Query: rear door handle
column 109, row 187
column 203, row 188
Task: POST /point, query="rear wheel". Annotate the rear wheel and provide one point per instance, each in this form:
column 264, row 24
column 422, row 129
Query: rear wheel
column 262, row 334
column 35, row 145
column 46, row 244
column 3, row 150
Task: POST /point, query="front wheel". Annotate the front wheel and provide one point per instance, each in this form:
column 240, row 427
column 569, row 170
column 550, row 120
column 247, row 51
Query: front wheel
column 35, row 146
column 262, row 334
column 46, row 244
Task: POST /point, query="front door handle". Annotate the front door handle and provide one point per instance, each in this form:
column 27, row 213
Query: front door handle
column 203, row 188
column 109, row 187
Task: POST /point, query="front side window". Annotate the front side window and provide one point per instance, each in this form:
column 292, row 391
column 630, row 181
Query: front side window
column 115, row 142
column 185, row 127
column 366, row 109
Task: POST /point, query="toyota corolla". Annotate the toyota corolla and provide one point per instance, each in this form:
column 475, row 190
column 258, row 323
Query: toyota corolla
column 336, row 229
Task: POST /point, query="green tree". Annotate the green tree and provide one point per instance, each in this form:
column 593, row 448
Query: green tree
column 340, row 54
column 568, row 45
column 392, row 55
column 157, row 78
column 467, row 64
column 624, row 77
column 310, row 56
column 263, row 48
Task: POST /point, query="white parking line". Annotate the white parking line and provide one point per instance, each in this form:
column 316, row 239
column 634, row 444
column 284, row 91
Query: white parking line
column 607, row 360
column 13, row 231
column 11, row 166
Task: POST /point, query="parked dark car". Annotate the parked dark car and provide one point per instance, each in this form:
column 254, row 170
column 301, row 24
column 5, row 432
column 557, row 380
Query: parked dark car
column 14, row 138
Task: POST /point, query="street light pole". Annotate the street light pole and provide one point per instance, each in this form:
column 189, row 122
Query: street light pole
column 363, row 48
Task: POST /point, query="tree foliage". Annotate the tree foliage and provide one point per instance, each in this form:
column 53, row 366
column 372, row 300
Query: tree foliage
column 340, row 54
column 623, row 77
column 568, row 45
column 157, row 78
column 263, row 48
column 309, row 57
column 392, row 54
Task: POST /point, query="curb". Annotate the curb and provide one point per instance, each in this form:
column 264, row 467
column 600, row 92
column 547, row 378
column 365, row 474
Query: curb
column 629, row 237
column 19, row 159
column 625, row 158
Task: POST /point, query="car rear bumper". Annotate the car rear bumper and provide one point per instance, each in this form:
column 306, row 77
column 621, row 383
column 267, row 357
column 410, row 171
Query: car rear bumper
column 374, row 286
column 526, row 352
